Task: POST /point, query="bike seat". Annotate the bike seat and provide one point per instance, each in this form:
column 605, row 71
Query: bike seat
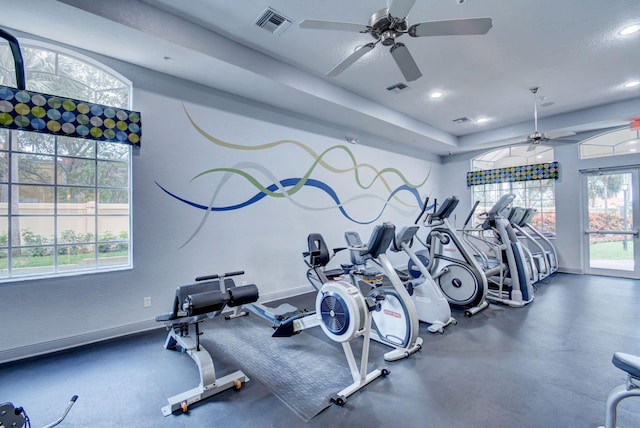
column 627, row 362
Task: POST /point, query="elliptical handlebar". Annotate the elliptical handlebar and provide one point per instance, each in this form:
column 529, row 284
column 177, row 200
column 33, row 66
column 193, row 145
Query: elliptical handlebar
column 424, row 209
column 473, row 210
column 17, row 58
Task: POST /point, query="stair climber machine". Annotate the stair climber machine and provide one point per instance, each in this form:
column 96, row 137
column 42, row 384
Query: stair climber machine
column 500, row 254
column 450, row 262
column 543, row 250
column 341, row 310
column 431, row 304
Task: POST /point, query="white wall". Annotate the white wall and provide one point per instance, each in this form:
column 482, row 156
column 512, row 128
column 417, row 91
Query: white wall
column 266, row 238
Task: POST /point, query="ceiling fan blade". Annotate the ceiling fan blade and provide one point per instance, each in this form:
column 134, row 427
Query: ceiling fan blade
column 453, row 27
column 556, row 135
column 405, row 62
column 531, row 147
column 333, row 25
column 400, row 8
column 350, row 59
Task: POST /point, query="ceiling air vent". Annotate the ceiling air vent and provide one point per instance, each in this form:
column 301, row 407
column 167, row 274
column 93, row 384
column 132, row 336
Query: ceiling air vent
column 461, row 120
column 272, row 21
column 397, row 88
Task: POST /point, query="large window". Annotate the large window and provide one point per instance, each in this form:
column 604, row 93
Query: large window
column 64, row 202
column 538, row 194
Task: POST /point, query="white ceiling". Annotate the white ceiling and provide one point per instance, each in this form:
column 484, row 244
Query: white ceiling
column 569, row 48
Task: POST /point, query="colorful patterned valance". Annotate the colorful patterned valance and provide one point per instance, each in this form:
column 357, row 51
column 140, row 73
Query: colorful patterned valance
column 539, row 171
column 50, row 114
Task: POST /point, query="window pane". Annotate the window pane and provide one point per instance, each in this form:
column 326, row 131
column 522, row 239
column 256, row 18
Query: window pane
column 35, row 230
column 74, row 229
column 113, row 201
column 4, row 167
column 4, row 266
column 34, row 168
column 76, row 171
column 32, row 261
column 33, row 142
column 4, row 238
column 113, row 174
column 4, row 198
column 113, row 228
column 87, row 73
column 113, row 151
column 76, row 147
column 117, row 256
column 76, row 257
column 4, row 138
column 74, row 200
column 33, row 200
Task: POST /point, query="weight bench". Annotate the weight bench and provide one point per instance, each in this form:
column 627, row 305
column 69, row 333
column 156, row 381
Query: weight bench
column 631, row 365
column 192, row 305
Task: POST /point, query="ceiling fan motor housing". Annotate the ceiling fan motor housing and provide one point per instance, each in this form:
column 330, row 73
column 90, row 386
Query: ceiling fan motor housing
column 384, row 26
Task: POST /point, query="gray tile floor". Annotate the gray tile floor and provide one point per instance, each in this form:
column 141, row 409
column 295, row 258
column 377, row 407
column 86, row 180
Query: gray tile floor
column 545, row 365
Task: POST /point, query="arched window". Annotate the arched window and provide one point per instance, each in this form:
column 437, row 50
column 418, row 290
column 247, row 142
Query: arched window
column 64, row 202
column 538, row 193
column 619, row 142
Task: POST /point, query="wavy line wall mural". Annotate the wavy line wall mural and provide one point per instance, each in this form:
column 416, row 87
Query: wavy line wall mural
column 356, row 181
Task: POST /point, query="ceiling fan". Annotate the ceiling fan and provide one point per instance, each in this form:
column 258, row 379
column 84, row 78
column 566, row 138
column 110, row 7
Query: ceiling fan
column 537, row 137
column 388, row 24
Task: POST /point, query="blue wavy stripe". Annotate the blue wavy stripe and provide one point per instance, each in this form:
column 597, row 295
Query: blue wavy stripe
column 289, row 182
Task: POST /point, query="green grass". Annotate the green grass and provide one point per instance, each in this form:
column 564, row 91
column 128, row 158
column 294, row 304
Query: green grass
column 611, row 251
column 33, row 262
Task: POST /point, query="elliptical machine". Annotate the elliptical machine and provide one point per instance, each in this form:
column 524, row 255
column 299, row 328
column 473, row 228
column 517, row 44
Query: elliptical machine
column 431, row 304
column 450, row 262
column 501, row 256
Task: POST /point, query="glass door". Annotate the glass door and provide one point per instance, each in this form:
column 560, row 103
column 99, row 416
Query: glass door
column 612, row 246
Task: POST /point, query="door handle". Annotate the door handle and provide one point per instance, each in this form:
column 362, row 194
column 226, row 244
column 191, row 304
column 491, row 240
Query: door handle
column 633, row 232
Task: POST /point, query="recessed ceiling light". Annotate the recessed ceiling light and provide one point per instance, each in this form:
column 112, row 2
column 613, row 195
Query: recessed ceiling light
column 632, row 84
column 482, row 120
column 436, row 94
column 629, row 30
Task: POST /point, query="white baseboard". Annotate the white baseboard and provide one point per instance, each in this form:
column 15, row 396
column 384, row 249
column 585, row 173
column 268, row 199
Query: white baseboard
column 576, row 271
column 48, row 347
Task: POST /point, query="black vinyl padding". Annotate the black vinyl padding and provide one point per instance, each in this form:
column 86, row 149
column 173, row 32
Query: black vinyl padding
column 206, row 297
column 243, row 295
column 318, row 246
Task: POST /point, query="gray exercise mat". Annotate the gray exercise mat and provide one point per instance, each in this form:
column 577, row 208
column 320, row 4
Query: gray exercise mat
column 302, row 371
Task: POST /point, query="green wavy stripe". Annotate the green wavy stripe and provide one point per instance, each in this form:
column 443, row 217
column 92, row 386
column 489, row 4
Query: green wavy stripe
column 252, row 180
column 318, row 159
column 295, row 188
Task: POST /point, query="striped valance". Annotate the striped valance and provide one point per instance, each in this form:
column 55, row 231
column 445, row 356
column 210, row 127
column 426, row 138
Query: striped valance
column 33, row 111
column 541, row 171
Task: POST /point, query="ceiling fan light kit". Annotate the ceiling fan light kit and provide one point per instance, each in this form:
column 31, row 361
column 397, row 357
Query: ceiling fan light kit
column 387, row 25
